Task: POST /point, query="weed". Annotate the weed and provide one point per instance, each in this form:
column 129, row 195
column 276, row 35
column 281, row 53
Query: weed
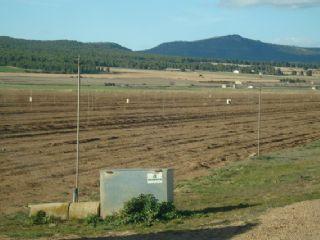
column 41, row 218
column 266, row 158
column 92, row 220
column 144, row 209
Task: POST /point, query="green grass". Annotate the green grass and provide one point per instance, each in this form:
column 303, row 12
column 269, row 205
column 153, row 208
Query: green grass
column 11, row 69
column 240, row 191
column 157, row 88
column 273, row 180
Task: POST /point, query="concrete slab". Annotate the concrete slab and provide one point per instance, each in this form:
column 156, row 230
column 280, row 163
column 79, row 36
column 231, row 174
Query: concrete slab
column 81, row 210
column 58, row 210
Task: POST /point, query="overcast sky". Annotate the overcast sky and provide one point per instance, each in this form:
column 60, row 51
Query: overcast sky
column 144, row 24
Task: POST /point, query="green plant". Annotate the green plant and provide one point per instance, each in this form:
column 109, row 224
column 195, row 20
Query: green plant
column 144, row 209
column 41, row 218
column 113, row 220
column 167, row 211
column 92, row 220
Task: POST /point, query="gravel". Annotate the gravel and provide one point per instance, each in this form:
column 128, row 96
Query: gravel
column 296, row 221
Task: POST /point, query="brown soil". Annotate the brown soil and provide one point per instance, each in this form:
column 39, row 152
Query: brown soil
column 188, row 131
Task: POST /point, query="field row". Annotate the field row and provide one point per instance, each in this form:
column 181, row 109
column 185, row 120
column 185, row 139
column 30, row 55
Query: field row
column 191, row 132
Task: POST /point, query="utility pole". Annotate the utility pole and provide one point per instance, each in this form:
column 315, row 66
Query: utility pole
column 76, row 190
column 259, row 114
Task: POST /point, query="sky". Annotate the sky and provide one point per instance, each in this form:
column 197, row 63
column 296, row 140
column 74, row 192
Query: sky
column 143, row 24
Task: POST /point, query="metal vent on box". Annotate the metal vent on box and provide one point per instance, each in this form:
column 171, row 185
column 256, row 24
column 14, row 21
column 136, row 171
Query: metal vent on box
column 118, row 186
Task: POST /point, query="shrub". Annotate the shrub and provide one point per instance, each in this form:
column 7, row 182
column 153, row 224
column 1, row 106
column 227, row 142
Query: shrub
column 41, row 218
column 144, row 209
column 92, row 220
column 167, row 211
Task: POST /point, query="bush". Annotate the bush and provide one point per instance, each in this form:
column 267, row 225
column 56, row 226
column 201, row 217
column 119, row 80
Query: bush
column 167, row 211
column 144, row 209
column 41, row 218
column 92, row 220
column 309, row 73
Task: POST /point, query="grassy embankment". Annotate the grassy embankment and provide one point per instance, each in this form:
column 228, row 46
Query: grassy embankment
column 238, row 192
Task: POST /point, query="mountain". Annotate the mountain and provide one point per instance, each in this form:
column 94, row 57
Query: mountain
column 60, row 56
column 235, row 47
column 57, row 45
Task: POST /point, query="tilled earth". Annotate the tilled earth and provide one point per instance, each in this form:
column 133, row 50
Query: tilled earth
column 190, row 131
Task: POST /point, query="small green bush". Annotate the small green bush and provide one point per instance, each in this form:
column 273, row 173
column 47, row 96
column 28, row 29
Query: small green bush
column 92, row 220
column 144, row 209
column 41, row 218
column 167, row 211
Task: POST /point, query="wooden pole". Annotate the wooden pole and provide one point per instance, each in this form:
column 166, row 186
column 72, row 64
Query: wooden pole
column 259, row 115
column 76, row 190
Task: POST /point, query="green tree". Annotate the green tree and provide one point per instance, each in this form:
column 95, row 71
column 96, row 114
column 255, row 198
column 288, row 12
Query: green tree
column 309, row 72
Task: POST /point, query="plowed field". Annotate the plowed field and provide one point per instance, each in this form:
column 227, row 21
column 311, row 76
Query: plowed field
column 190, row 131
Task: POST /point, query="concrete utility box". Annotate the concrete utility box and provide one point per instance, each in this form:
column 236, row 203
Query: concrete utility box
column 118, row 186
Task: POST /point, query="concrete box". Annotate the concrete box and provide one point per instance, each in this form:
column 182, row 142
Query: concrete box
column 58, row 210
column 118, row 186
column 81, row 210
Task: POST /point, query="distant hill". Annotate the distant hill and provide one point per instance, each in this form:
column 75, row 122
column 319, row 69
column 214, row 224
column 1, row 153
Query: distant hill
column 235, row 47
column 60, row 56
column 57, row 45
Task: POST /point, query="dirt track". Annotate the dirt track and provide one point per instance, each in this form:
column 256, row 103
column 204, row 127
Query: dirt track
column 189, row 131
column 293, row 222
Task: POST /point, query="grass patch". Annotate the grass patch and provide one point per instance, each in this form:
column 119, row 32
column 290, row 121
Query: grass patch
column 240, row 191
column 11, row 69
column 272, row 180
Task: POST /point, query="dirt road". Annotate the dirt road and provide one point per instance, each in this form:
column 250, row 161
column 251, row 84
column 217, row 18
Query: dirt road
column 294, row 222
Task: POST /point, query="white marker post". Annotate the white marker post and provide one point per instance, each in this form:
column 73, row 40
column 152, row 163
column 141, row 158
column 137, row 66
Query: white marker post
column 30, row 99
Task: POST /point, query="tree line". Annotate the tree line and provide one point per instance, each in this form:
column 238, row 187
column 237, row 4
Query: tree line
column 61, row 57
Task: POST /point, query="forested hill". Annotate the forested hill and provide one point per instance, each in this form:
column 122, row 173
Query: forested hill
column 60, row 57
column 239, row 48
